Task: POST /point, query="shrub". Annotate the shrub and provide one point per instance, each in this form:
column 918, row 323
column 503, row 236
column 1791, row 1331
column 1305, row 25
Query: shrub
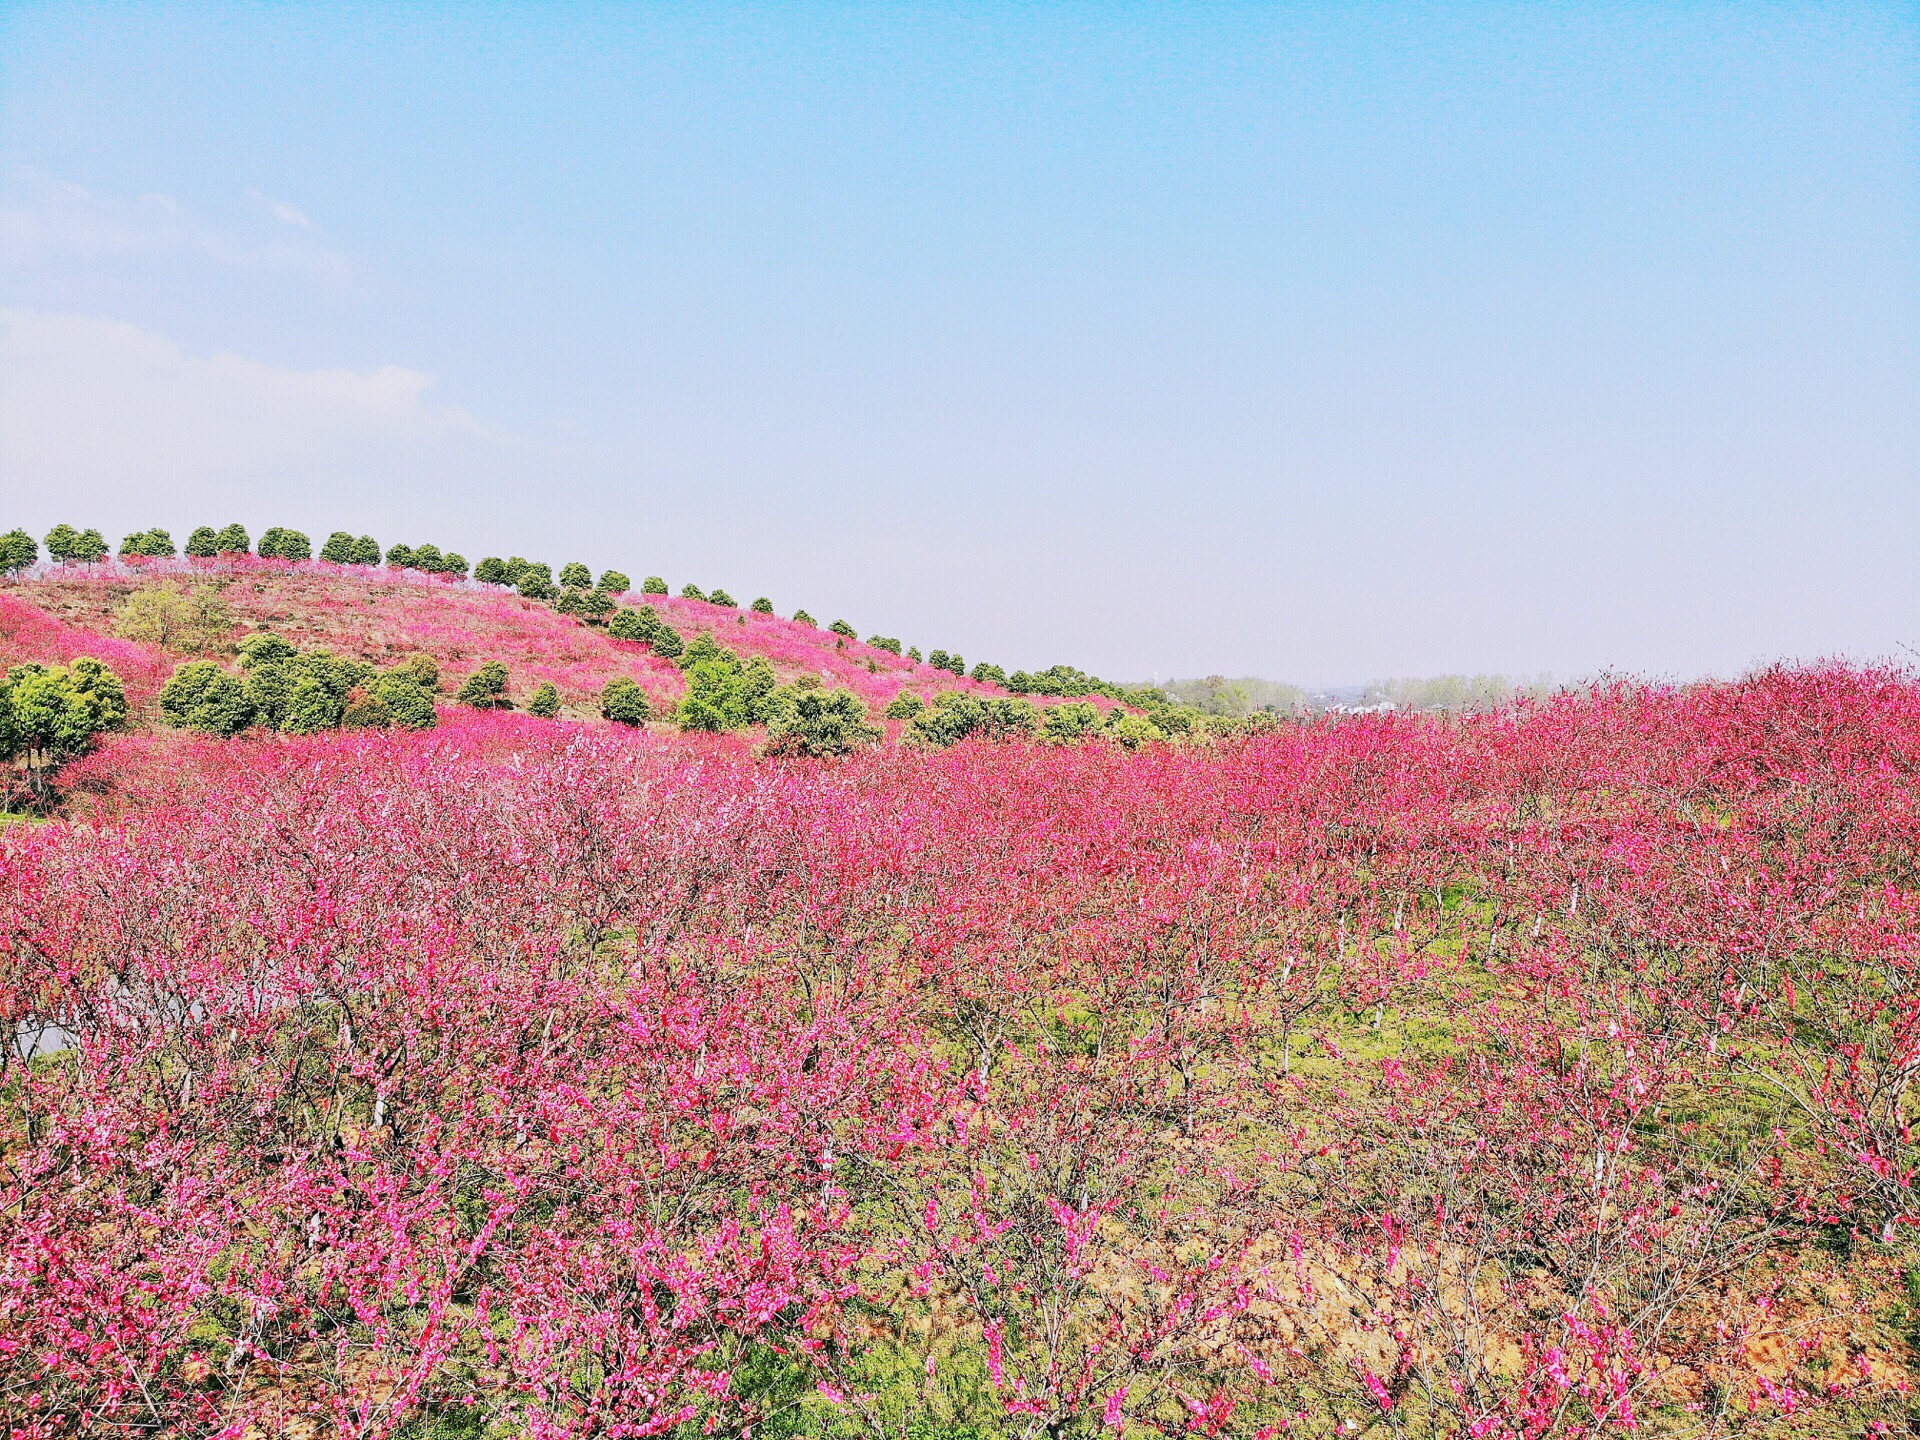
column 201, row 696
column 233, row 540
column 311, row 707
column 817, row 723
column 453, row 563
column 955, row 715
column 76, row 547
column 400, row 556
column 492, row 571
column 884, row 642
column 614, row 582
column 283, row 544
column 690, row 591
column 1132, row 731
column 172, row 619
column 264, row 648
column 842, row 628
column 51, row 714
column 645, row 624
column 589, row 605
column 486, row 688
column 301, row 692
column 18, row 551
column 801, row 617
column 155, row 544
column 407, row 700
column 721, row 597
column 545, row 702
column 576, row 576
column 989, row 673
column 203, row 543
column 762, row 606
column 427, row 558
column 422, row 669
column 905, row 706
column 624, row 702
column 653, row 585
column 1073, row 721
column 366, row 551
column 535, row 580
column 913, row 653
column 338, row 549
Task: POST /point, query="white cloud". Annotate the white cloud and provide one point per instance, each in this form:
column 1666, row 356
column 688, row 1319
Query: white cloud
column 43, row 218
column 283, row 212
column 104, row 410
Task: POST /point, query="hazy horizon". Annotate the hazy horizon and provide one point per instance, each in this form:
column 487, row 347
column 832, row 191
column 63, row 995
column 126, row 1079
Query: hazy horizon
column 1315, row 344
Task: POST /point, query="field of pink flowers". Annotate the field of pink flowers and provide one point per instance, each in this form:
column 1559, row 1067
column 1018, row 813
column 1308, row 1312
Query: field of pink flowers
column 382, row 615
column 1547, row 1073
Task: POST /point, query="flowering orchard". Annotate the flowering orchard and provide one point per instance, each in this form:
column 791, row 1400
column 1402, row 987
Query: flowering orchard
column 1545, row 1074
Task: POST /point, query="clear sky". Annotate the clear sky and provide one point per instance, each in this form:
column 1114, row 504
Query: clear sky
column 1316, row 341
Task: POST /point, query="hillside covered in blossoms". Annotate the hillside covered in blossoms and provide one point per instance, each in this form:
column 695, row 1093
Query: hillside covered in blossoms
column 441, row 1006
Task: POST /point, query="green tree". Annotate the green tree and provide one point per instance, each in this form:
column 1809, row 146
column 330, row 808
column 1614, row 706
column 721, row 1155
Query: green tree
column 988, row 673
column 841, row 627
column 721, row 597
column 233, row 540
column 615, row 582
column 155, row 544
column 279, row 543
column 62, row 544
column 1132, row 731
column 591, row 606
column 453, row 563
column 203, row 543
column 173, row 619
column 535, row 580
column 575, row 576
column 653, row 585
column 492, row 571
column 762, row 606
column 913, row 653
column 400, row 556
column 545, row 702
column 429, row 559
column 813, row 722
column 1075, row 720
column 201, row 696
column 263, row 647
column 422, row 669
column 624, row 702
column 92, row 548
column 53, row 713
column 366, row 551
column 691, row 591
column 18, row 551
column 486, row 688
column 884, row 642
column 710, row 699
column 801, row 617
column 905, row 706
column 338, row 549
column 408, row 701
column 955, row 715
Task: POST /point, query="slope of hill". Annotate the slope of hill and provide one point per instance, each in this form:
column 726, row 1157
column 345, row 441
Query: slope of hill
column 382, row 615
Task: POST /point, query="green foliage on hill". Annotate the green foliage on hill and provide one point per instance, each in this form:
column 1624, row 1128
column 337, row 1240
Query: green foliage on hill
column 284, row 544
column 155, row 544
column 297, row 692
column 545, row 702
column 615, row 582
column 645, row 624
column 842, row 628
column 691, row 591
column 801, row 617
column 486, row 688
column 18, row 551
column 653, row 585
column 723, row 692
column 50, row 714
column 955, row 715
column 884, row 642
column 624, row 702
column 805, row 720
column 232, row 540
column 721, row 597
column 575, row 576
column 904, row 706
column 68, row 546
column 762, row 606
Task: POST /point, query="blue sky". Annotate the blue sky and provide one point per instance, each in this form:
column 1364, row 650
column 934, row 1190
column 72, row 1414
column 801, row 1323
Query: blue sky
column 1320, row 342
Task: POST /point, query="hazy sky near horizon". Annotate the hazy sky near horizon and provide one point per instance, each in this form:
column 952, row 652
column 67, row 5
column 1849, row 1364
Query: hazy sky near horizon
column 1317, row 341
